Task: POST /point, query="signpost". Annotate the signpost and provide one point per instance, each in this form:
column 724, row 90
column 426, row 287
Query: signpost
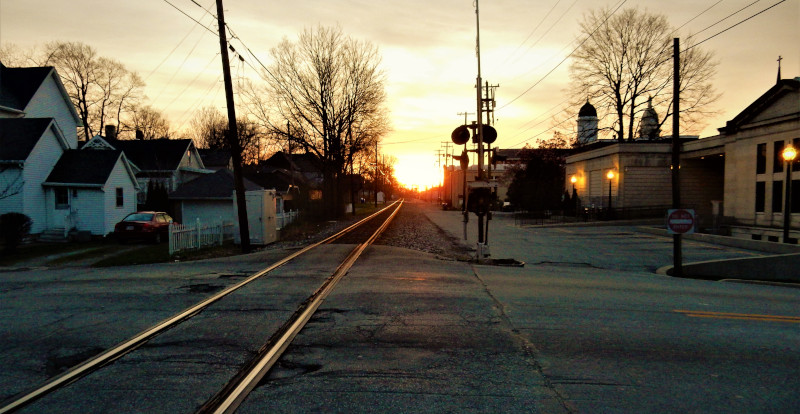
column 680, row 221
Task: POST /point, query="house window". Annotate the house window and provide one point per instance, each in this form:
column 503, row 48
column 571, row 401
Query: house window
column 777, row 196
column 120, row 197
column 761, row 158
column 74, row 193
column 761, row 188
column 777, row 159
column 62, row 198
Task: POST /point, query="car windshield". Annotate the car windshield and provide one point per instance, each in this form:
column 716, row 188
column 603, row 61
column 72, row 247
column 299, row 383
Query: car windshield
column 139, row 217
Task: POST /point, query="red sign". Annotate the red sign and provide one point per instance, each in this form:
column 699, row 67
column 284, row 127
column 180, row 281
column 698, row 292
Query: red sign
column 680, row 221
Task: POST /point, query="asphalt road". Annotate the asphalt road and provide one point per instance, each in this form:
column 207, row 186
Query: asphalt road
column 585, row 326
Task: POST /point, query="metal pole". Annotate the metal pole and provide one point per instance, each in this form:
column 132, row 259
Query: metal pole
column 479, row 130
column 787, row 210
column 677, row 255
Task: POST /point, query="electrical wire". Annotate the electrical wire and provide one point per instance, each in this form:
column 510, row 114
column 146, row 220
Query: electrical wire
column 187, row 15
column 698, row 15
column 732, row 26
column 565, row 57
column 726, row 17
column 531, row 33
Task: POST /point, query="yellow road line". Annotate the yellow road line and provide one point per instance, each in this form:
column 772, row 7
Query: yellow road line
column 739, row 316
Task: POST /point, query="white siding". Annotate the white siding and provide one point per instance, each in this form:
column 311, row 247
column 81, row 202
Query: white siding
column 48, row 102
column 88, row 208
column 119, row 178
column 40, row 162
column 208, row 211
column 11, row 177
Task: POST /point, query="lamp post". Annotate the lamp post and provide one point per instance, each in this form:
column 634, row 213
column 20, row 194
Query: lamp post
column 610, row 176
column 574, row 206
column 788, row 154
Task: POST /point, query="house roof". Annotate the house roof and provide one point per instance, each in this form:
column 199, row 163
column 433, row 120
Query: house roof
column 18, row 136
column 217, row 186
column 83, row 167
column 307, row 163
column 18, row 85
column 215, row 158
column 781, row 88
column 155, row 154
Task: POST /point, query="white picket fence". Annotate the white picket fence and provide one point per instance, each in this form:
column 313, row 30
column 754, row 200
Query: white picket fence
column 194, row 236
column 284, row 219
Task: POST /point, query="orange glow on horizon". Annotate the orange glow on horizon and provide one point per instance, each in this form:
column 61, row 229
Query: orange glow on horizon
column 418, row 170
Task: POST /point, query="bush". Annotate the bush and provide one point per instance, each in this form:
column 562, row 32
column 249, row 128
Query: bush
column 14, row 227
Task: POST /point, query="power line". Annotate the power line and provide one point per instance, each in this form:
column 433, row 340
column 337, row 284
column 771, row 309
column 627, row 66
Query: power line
column 698, row 15
column 187, row 15
column 532, row 32
column 726, row 17
column 566, row 57
column 731, row 27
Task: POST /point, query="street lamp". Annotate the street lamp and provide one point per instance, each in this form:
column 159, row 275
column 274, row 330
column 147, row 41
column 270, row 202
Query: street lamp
column 610, row 176
column 788, row 154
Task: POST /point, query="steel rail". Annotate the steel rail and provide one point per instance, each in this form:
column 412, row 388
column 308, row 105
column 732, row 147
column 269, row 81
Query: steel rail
column 125, row 347
column 231, row 397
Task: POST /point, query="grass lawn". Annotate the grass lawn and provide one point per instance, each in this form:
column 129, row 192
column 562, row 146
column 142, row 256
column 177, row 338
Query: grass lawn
column 62, row 254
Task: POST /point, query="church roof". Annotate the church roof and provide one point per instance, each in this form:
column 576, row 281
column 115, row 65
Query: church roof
column 587, row 110
column 780, row 89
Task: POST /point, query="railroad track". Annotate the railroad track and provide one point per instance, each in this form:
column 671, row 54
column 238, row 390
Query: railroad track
column 362, row 234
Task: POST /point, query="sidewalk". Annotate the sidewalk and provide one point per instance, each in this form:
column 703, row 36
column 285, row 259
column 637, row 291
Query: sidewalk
column 617, row 246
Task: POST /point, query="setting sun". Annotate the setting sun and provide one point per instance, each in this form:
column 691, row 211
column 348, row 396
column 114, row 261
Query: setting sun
column 417, row 170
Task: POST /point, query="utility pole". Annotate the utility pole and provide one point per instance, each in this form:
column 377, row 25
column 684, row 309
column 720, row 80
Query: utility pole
column 233, row 135
column 376, row 173
column 677, row 255
column 465, row 115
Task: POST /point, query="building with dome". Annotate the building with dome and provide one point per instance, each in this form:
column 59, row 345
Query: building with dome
column 734, row 181
column 587, row 124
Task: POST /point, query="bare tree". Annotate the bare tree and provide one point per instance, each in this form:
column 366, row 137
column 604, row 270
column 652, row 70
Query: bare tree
column 209, row 129
column 330, row 90
column 149, row 123
column 77, row 65
column 101, row 89
column 626, row 59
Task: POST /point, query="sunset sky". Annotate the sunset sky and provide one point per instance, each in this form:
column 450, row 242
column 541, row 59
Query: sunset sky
column 428, row 50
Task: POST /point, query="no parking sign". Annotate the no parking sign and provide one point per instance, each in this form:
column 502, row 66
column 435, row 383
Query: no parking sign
column 680, row 221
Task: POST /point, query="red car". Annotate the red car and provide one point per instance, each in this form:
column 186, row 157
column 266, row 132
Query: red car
column 144, row 225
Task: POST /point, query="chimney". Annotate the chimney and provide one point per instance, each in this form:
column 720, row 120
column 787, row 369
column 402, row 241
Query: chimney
column 111, row 132
column 139, row 134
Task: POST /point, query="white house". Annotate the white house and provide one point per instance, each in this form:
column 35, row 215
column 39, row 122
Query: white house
column 90, row 199
column 41, row 175
column 170, row 162
column 29, row 148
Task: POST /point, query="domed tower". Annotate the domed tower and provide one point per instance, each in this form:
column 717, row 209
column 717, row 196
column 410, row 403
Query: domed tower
column 587, row 124
column 648, row 128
